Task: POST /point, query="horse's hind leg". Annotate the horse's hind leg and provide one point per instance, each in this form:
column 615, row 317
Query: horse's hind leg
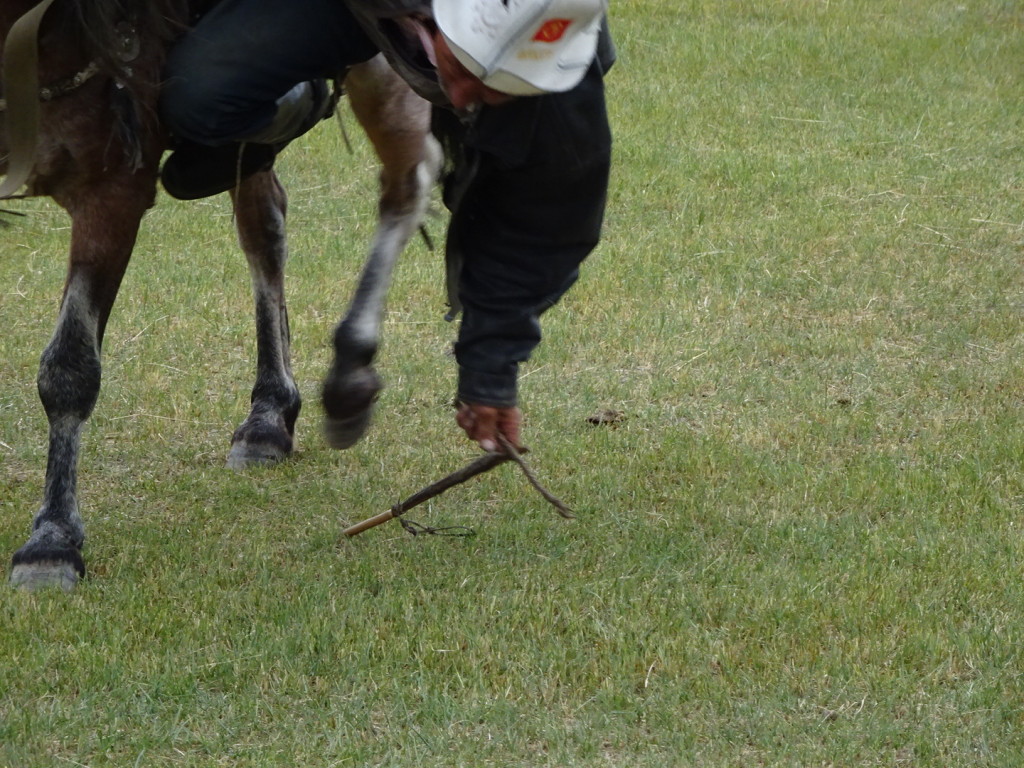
column 398, row 124
column 104, row 225
column 267, row 433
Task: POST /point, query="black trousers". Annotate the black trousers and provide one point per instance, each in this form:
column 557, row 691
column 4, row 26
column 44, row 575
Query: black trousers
column 222, row 80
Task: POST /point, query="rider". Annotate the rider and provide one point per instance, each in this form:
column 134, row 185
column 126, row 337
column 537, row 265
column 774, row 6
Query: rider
column 519, row 109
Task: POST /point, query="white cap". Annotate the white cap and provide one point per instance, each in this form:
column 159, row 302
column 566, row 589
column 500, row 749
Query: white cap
column 522, row 47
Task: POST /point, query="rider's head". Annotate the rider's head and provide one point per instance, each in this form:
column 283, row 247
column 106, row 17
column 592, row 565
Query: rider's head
column 514, row 47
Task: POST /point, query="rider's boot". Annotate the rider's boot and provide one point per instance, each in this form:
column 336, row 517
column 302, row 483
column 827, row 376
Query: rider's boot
column 196, row 170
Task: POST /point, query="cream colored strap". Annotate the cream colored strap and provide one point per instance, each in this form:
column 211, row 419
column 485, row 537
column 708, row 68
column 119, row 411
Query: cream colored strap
column 21, row 89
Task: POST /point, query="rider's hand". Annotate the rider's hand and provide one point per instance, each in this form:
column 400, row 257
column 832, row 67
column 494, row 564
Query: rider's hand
column 483, row 423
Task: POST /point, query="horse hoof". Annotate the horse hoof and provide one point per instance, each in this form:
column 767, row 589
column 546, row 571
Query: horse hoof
column 265, row 437
column 47, row 574
column 244, row 455
column 348, row 401
column 342, row 433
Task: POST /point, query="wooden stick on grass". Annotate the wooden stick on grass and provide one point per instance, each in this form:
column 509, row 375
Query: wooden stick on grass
column 510, row 449
column 479, row 466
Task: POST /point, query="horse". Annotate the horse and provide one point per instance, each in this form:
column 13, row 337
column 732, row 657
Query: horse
column 98, row 154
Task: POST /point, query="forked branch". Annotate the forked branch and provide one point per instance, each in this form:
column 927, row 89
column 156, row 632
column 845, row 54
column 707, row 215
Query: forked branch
column 478, row 466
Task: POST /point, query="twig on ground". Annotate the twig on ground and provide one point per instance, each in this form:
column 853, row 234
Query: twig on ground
column 479, row 466
column 510, row 449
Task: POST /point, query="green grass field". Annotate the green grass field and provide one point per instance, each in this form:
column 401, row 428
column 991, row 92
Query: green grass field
column 801, row 547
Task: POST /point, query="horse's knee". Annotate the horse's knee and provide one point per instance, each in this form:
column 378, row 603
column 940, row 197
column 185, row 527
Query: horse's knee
column 69, row 376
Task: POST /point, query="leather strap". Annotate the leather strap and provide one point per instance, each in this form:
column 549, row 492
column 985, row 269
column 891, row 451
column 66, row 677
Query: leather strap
column 21, row 88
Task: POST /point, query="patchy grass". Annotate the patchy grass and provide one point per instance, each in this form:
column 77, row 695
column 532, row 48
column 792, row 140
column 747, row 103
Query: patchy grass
column 801, row 546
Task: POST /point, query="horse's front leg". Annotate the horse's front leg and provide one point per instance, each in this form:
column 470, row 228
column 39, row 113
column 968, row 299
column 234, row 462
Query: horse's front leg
column 267, row 433
column 103, row 231
column 398, row 124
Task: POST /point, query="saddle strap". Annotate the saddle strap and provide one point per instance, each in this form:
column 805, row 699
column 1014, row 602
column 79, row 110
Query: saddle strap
column 21, row 87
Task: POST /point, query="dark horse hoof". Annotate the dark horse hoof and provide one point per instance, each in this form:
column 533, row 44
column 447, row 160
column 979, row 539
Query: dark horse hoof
column 261, row 440
column 348, row 405
column 61, row 569
column 244, row 455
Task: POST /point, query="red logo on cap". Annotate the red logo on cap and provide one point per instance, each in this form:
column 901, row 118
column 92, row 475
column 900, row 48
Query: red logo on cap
column 552, row 30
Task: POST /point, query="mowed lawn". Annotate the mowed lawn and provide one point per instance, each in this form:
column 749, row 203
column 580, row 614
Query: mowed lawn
column 798, row 544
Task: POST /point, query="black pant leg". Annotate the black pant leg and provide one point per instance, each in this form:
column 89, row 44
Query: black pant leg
column 222, row 80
